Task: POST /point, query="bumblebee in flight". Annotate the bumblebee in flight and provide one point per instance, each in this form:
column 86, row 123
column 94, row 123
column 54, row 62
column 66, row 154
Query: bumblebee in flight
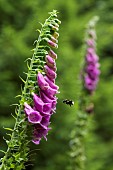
column 68, row 102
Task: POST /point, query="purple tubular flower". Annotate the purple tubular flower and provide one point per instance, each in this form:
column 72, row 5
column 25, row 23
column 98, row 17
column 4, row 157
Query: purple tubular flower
column 38, row 133
column 46, row 99
column 51, row 83
column 27, row 109
column 42, row 107
column 49, row 72
column 33, row 116
column 41, row 82
column 53, row 54
column 50, row 92
column 45, row 120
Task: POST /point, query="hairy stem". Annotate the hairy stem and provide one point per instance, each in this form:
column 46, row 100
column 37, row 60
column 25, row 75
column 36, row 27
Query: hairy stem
column 18, row 147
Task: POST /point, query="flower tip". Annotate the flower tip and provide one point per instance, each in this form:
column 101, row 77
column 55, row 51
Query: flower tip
column 32, row 93
column 25, row 103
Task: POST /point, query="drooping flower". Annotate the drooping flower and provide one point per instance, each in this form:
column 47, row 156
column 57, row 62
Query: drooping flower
column 51, row 83
column 33, row 116
column 38, row 133
column 50, row 73
column 41, row 82
column 46, row 99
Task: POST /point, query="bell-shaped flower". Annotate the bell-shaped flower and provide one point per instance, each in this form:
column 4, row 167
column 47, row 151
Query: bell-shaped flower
column 50, row 92
column 41, row 82
column 45, row 120
column 42, row 107
column 33, row 116
column 38, row 133
column 46, row 99
column 49, row 72
column 51, row 83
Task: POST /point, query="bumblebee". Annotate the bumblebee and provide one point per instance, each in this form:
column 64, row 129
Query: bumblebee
column 68, row 102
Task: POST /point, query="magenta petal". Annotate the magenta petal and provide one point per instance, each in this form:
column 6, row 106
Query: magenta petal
column 45, row 120
column 47, row 108
column 87, row 80
column 38, row 102
column 46, row 99
column 50, row 92
column 42, row 107
column 36, row 141
column 34, row 117
column 89, row 58
column 38, row 133
column 49, row 72
column 41, row 81
column 27, row 109
column 51, row 83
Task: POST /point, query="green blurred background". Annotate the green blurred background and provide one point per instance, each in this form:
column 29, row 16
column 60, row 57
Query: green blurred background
column 18, row 23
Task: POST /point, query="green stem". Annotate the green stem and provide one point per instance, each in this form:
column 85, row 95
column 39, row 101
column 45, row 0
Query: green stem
column 17, row 153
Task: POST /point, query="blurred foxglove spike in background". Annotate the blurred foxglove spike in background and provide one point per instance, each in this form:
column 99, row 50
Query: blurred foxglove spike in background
column 91, row 69
column 89, row 79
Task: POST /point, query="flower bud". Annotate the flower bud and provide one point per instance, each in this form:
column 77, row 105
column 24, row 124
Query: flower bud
column 50, row 61
column 52, row 54
column 52, row 44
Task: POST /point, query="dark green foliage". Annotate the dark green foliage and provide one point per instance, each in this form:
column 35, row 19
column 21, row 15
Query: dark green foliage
column 18, row 22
